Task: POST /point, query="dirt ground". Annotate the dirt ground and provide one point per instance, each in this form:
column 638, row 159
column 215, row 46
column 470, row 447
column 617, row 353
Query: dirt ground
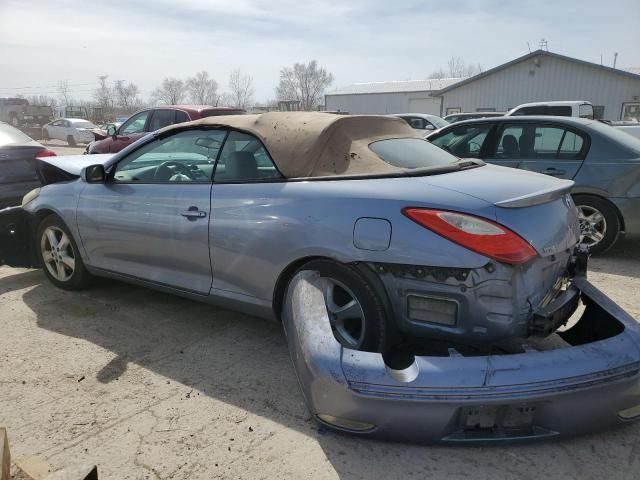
column 62, row 148
column 151, row 386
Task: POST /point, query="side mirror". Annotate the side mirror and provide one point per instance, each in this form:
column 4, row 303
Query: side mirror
column 428, row 126
column 94, row 174
column 111, row 131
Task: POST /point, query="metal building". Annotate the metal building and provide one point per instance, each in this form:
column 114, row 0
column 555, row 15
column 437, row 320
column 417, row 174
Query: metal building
column 545, row 76
column 389, row 97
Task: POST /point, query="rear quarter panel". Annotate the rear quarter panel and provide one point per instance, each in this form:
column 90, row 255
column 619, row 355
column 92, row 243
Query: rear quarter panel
column 257, row 230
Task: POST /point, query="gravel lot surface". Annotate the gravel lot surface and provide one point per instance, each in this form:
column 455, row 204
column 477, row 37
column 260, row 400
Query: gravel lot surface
column 147, row 385
column 62, row 148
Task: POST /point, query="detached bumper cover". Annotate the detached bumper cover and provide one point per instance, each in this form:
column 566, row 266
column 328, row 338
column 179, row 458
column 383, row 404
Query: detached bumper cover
column 531, row 395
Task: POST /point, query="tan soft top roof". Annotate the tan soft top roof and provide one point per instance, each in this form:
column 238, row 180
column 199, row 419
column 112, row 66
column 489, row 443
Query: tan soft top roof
column 316, row 144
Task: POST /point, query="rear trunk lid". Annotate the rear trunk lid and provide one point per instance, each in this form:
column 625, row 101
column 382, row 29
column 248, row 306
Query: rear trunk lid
column 537, row 207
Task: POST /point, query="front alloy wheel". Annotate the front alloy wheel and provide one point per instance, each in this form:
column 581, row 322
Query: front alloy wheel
column 57, row 254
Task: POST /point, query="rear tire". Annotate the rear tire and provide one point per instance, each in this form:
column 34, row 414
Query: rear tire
column 71, row 141
column 355, row 310
column 59, row 255
column 599, row 223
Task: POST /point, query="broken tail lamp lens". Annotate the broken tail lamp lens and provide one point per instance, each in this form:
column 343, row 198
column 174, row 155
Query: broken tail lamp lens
column 630, row 414
column 432, row 310
column 479, row 235
column 345, row 423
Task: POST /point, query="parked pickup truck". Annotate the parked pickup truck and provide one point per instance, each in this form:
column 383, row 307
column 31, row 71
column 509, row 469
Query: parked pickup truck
column 571, row 108
column 18, row 112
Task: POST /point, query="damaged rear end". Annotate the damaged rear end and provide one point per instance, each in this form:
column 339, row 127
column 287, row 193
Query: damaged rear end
column 520, row 281
column 582, row 380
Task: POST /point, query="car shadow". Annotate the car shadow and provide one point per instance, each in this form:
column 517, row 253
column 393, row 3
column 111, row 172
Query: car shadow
column 622, row 259
column 244, row 361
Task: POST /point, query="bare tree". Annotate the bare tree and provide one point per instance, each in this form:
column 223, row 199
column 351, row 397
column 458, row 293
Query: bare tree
column 171, row 92
column 437, row 74
column 457, row 68
column 103, row 95
column 304, row 83
column 63, row 92
column 126, row 95
column 202, row 89
column 42, row 100
column 240, row 89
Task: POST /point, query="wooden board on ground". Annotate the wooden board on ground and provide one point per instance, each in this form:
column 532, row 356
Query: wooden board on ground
column 5, row 455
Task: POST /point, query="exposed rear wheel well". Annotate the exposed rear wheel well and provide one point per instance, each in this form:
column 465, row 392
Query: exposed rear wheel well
column 283, row 281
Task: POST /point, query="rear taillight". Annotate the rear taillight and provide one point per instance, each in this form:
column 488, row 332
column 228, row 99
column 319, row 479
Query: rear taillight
column 45, row 153
column 482, row 236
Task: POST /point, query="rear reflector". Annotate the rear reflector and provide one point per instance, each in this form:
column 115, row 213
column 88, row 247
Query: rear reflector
column 45, row 153
column 346, row 423
column 477, row 234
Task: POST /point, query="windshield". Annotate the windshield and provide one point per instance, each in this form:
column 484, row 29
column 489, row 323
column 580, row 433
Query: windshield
column 411, row 153
column 438, row 122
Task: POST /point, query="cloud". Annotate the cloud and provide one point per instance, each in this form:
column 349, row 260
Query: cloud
column 358, row 41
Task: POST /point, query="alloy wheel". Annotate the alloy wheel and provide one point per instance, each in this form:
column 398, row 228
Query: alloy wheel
column 593, row 225
column 346, row 315
column 57, row 253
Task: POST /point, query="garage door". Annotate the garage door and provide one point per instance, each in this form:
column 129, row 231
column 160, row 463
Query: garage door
column 424, row 105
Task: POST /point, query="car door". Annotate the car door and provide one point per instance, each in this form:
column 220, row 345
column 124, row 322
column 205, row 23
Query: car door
column 556, row 151
column 245, row 226
column 509, row 142
column 54, row 129
column 150, row 219
column 465, row 141
column 130, row 131
column 542, row 147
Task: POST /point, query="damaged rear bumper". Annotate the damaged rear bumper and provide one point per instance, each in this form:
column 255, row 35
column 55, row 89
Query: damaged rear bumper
column 592, row 383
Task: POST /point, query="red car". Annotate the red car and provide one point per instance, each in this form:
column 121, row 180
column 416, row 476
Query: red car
column 152, row 119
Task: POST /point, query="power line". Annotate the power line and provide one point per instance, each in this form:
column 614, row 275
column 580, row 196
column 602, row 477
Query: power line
column 48, row 86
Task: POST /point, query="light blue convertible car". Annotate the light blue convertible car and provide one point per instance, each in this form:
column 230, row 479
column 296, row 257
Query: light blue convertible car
column 411, row 283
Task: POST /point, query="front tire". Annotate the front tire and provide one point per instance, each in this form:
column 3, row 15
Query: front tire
column 59, row 255
column 356, row 312
column 599, row 223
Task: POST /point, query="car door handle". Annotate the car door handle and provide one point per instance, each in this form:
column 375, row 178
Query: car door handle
column 554, row 172
column 193, row 213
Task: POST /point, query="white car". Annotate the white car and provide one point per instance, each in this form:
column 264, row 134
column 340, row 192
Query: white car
column 422, row 122
column 71, row 130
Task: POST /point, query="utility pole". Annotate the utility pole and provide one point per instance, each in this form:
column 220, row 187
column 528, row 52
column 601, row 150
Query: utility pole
column 543, row 44
column 615, row 59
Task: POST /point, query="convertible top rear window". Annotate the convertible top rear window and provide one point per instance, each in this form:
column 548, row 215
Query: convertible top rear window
column 411, row 153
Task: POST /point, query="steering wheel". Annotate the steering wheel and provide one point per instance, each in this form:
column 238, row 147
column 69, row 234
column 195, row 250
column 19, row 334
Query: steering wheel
column 165, row 171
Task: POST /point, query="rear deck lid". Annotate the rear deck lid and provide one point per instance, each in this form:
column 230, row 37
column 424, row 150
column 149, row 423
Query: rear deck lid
column 537, row 207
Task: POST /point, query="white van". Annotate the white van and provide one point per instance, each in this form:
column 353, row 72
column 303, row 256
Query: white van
column 572, row 108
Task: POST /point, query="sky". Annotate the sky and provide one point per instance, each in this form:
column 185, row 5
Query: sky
column 43, row 42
